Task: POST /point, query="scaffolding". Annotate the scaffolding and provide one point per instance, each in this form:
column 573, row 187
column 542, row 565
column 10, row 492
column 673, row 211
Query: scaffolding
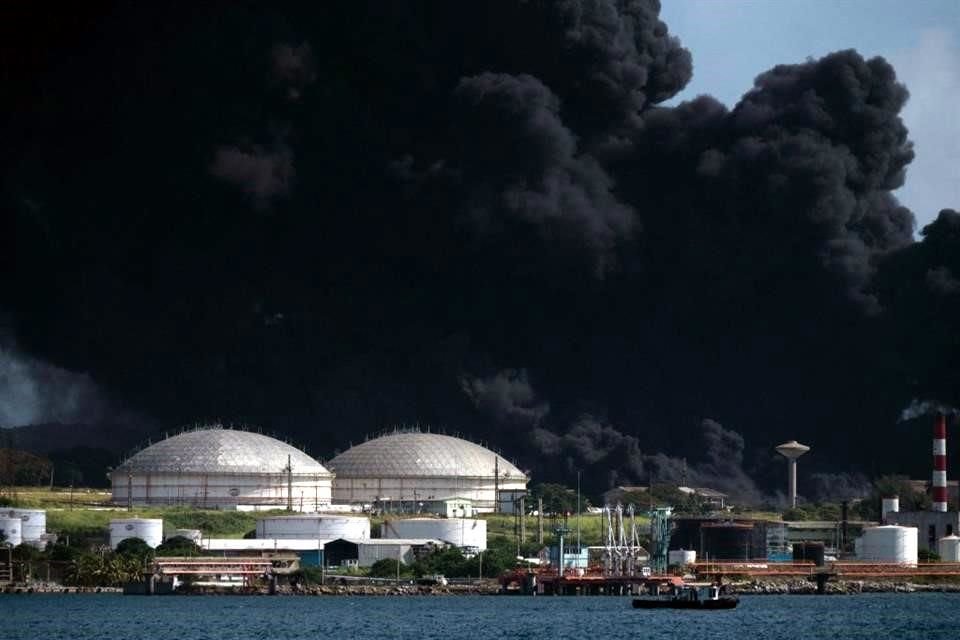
column 622, row 554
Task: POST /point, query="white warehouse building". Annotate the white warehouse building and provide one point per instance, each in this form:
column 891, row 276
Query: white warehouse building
column 218, row 468
column 403, row 470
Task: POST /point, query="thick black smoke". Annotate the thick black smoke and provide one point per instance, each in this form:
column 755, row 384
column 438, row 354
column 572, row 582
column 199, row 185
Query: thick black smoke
column 330, row 219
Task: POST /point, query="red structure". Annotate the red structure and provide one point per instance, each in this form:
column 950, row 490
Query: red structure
column 939, row 483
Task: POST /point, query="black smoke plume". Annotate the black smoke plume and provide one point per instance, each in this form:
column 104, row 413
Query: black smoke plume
column 454, row 189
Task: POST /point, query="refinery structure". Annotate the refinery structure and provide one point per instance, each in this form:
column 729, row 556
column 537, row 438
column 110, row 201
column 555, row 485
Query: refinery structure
column 425, row 491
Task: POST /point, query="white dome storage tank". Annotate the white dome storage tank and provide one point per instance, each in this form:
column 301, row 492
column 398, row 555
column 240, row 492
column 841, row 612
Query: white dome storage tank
column 150, row 530
column 33, row 522
column 681, row 557
column 461, row 532
column 397, row 471
column 314, row 527
column 11, row 529
column 890, row 544
column 949, row 549
column 219, row 468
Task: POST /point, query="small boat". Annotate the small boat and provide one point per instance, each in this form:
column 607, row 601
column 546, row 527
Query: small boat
column 688, row 596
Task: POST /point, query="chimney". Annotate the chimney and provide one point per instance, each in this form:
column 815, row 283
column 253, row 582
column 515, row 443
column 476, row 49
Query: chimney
column 940, row 464
column 890, row 504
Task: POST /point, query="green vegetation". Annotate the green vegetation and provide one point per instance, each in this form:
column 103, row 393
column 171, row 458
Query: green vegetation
column 557, row 499
column 387, row 568
column 501, row 528
column 178, row 546
column 925, row 555
column 827, row 511
column 57, row 498
column 893, row 485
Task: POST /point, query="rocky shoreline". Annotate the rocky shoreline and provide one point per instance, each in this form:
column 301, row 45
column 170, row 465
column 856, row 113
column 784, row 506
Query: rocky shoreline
column 838, row 587
column 741, row 588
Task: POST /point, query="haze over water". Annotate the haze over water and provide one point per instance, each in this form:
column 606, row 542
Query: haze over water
column 78, row 617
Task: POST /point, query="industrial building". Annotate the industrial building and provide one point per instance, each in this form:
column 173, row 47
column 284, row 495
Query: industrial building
column 363, row 553
column 939, row 522
column 931, row 525
column 403, row 471
column 220, row 468
column 714, row 539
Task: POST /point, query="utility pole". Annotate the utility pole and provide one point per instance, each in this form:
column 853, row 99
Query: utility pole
column 496, row 484
column 523, row 520
column 540, row 520
column 578, row 511
column 289, row 471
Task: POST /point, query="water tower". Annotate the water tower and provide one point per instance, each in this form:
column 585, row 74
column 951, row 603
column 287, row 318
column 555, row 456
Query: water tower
column 791, row 451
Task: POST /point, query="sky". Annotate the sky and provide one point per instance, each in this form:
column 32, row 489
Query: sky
column 734, row 40
column 329, row 219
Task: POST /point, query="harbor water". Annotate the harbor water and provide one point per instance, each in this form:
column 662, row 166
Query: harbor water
column 81, row 617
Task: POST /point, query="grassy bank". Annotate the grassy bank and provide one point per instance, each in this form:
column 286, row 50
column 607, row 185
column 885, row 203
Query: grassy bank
column 87, row 513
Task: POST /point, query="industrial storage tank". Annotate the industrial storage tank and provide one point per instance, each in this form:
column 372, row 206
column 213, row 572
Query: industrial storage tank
column 726, row 541
column 890, row 544
column 460, row 532
column 33, row 524
column 11, row 529
column 809, row 551
column 681, row 557
column 314, row 527
column 193, row 535
column 399, row 471
column 150, row 530
column 217, row 468
column 890, row 504
column 949, row 549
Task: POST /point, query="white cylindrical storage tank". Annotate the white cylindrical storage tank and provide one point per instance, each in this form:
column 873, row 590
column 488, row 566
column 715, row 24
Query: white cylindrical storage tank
column 681, row 557
column 150, row 530
column 890, row 544
column 314, row 527
column 889, row 505
column 949, row 549
column 193, row 535
column 11, row 529
column 858, row 548
column 33, row 525
column 461, row 532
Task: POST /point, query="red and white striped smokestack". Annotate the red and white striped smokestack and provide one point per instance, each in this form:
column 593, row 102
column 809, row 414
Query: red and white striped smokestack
column 940, row 464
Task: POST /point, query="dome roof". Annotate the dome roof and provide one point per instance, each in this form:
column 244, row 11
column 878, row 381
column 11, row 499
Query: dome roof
column 218, row 450
column 410, row 453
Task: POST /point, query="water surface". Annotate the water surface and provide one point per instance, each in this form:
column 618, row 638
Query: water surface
column 80, row 617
